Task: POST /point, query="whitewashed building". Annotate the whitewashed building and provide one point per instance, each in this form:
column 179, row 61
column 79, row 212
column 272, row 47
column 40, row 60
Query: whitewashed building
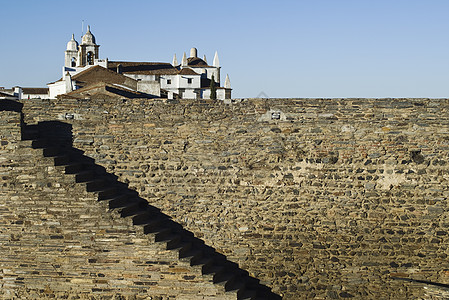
column 23, row 93
column 191, row 79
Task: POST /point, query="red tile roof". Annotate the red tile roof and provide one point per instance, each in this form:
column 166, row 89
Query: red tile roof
column 5, row 95
column 144, row 68
column 187, row 71
column 101, row 90
column 35, row 91
column 97, row 74
column 196, row 62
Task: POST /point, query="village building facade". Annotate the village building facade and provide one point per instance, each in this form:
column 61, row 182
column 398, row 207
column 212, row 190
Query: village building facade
column 85, row 75
column 191, row 79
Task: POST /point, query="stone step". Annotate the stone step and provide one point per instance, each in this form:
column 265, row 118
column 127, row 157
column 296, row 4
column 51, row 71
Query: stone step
column 51, row 151
column 63, row 159
column 95, row 185
column 163, row 234
column 253, row 283
column 150, row 220
column 73, row 168
column 263, row 291
column 144, row 218
column 205, row 262
column 66, row 157
column 30, row 132
column 168, row 237
column 246, row 294
column 224, row 278
column 134, row 206
column 152, row 225
column 107, row 192
column 79, row 158
column 85, row 176
column 121, row 200
column 230, row 277
column 39, row 143
column 191, row 255
column 236, row 283
column 214, row 269
column 170, row 244
column 181, row 247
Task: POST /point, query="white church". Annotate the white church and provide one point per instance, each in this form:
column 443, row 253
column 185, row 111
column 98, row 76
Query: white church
column 85, row 75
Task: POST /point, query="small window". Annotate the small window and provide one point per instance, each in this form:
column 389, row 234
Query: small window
column 189, row 80
column 168, row 81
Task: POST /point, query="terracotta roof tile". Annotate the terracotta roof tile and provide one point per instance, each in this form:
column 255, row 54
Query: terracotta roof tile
column 35, row 91
column 99, row 74
column 5, row 95
column 100, row 90
column 144, row 68
column 196, row 61
column 187, row 71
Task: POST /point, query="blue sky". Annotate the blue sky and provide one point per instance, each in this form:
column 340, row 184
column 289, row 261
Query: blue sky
column 314, row 48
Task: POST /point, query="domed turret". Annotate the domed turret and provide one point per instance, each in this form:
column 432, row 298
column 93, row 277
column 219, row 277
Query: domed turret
column 72, row 45
column 88, row 38
column 193, row 52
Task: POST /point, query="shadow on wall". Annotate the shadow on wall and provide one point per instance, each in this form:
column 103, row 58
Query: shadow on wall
column 10, row 105
column 55, row 138
column 56, row 133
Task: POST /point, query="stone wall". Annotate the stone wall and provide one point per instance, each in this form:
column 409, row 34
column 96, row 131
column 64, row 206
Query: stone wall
column 10, row 124
column 318, row 198
column 58, row 241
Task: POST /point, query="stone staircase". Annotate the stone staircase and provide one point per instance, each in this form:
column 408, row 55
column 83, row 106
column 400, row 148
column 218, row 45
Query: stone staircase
column 53, row 139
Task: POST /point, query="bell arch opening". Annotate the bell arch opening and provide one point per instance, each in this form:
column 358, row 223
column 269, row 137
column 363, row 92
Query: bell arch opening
column 90, row 58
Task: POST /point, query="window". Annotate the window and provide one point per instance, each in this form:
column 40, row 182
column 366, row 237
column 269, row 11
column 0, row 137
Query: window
column 90, row 58
column 73, row 62
column 168, row 81
column 189, row 80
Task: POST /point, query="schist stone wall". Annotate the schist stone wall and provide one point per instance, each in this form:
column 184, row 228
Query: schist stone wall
column 318, row 198
column 57, row 241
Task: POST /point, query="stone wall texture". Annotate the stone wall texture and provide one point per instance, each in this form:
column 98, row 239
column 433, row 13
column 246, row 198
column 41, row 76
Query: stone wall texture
column 57, row 241
column 318, row 198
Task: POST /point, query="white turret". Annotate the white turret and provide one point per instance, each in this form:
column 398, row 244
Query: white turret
column 72, row 45
column 175, row 61
column 68, row 83
column 184, row 60
column 204, row 58
column 71, row 53
column 193, row 52
column 216, row 62
column 227, row 84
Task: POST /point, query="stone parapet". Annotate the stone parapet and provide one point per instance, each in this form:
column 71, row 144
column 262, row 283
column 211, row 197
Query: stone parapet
column 318, row 198
column 60, row 241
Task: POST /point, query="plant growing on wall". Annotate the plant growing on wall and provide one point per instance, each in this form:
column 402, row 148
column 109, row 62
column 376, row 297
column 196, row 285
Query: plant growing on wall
column 213, row 89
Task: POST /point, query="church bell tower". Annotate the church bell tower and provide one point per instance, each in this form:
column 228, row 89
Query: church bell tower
column 71, row 54
column 88, row 50
column 84, row 54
